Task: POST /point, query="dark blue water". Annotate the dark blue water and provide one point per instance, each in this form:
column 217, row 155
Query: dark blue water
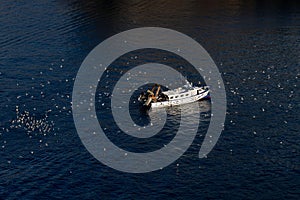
column 255, row 45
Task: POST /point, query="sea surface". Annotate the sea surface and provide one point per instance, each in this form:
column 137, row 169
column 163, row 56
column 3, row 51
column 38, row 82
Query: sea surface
column 255, row 45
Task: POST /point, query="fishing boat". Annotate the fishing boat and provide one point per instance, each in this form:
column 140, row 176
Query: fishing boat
column 156, row 98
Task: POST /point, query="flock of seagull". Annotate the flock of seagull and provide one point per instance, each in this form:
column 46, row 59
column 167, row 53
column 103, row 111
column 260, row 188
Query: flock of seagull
column 31, row 123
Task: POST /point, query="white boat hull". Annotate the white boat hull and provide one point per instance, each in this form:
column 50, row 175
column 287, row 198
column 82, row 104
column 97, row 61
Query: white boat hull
column 180, row 101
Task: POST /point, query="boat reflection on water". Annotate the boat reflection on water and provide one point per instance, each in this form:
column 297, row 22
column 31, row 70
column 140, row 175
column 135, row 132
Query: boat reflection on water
column 204, row 107
column 172, row 115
